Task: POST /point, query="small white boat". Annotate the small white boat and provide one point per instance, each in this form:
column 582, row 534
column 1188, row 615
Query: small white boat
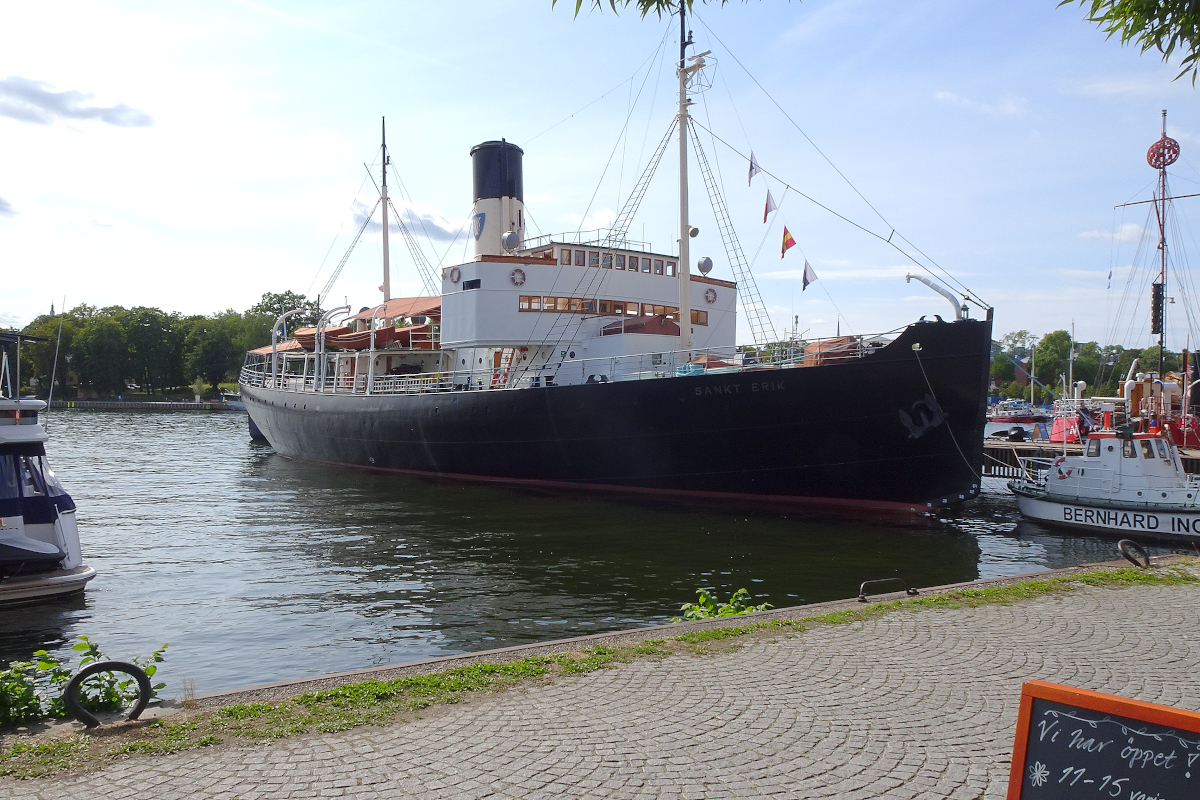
column 1124, row 483
column 39, row 540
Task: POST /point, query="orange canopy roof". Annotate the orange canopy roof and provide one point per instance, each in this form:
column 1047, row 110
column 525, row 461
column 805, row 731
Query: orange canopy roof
column 405, row 307
column 282, row 347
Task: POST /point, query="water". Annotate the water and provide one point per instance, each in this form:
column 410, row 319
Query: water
column 256, row 568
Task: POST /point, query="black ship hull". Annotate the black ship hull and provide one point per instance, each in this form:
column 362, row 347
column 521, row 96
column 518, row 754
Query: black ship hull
column 899, row 429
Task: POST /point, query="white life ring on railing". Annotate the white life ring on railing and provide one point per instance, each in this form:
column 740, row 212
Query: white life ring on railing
column 517, row 277
column 1056, row 465
column 455, row 274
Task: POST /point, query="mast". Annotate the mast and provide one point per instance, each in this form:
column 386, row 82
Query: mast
column 685, row 228
column 387, row 271
column 1161, row 155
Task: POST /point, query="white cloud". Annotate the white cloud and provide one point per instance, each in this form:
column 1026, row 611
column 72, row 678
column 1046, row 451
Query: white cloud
column 1128, row 232
column 422, row 220
column 1010, row 105
column 6, row 209
column 32, row 101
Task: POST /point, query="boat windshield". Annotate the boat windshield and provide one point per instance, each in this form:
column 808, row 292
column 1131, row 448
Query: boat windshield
column 1147, row 448
column 1162, row 450
column 10, row 488
column 31, row 476
column 53, row 487
column 1127, row 449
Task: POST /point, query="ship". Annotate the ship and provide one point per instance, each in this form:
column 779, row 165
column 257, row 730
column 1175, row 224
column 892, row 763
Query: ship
column 590, row 363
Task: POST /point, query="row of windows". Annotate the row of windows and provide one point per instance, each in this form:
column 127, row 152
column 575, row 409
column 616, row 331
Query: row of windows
column 596, row 258
column 618, row 308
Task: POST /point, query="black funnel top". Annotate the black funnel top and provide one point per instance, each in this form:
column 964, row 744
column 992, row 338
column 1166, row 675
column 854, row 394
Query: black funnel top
column 497, row 168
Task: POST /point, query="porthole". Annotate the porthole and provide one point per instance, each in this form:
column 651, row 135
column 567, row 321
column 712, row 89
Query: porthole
column 481, row 361
column 572, row 354
column 1139, row 494
column 1164, row 494
column 1110, row 448
column 465, row 361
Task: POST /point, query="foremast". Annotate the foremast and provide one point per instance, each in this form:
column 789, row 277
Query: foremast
column 387, row 270
column 685, row 228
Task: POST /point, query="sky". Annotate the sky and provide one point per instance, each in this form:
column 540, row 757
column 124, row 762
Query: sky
column 193, row 156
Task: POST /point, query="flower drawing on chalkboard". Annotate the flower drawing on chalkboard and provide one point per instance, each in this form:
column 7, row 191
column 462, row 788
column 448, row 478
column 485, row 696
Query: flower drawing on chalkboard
column 1038, row 774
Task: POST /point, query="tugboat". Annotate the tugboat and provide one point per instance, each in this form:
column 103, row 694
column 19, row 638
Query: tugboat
column 39, row 540
column 589, row 362
column 1125, row 482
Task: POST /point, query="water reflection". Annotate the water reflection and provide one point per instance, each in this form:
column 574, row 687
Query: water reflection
column 257, row 568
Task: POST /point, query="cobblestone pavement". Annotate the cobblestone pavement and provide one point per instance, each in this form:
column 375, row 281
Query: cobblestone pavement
column 904, row 706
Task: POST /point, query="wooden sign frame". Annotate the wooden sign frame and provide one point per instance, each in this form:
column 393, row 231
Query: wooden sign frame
column 1093, row 701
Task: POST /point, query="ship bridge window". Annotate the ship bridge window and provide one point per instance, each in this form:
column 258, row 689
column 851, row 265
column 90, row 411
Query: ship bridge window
column 593, row 258
column 564, row 257
column 1147, row 448
column 701, row 318
column 645, row 264
column 9, row 486
column 524, row 302
column 671, row 269
column 633, row 263
column 606, row 260
column 1162, row 449
column 472, row 284
column 580, row 255
column 658, row 266
column 620, row 261
column 1093, row 450
column 1127, row 449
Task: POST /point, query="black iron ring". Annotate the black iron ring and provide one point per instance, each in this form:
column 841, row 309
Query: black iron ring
column 1132, row 552
column 71, row 699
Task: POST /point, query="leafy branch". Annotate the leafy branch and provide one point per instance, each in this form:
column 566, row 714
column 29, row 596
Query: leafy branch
column 1162, row 25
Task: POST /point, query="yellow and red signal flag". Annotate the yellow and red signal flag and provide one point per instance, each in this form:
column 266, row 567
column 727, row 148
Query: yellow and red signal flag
column 788, row 241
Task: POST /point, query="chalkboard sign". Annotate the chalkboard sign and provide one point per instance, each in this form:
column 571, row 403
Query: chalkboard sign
column 1074, row 743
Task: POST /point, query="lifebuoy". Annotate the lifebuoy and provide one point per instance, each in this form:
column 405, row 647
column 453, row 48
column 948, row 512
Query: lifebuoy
column 455, row 274
column 517, row 277
column 710, row 295
column 1056, row 465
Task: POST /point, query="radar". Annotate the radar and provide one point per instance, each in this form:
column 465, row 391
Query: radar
column 510, row 241
column 704, row 265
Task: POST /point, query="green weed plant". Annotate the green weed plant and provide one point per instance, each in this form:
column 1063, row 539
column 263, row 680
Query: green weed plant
column 31, row 691
column 707, row 606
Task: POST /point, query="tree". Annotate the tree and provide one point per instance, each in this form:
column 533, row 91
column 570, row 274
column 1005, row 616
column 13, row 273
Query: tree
column 212, row 352
column 1162, row 25
column 659, row 7
column 37, row 358
column 101, row 353
column 276, row 305
column 155, row 348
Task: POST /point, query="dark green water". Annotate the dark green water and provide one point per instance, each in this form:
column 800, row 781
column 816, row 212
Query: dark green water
column 258, row 569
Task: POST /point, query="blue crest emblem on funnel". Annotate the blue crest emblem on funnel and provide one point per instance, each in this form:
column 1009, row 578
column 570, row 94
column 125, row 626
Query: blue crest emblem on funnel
column 477, row 224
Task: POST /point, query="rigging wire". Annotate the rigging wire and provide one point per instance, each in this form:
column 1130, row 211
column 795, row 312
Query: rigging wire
column 885, row 239
column 628, row 80
column 335, row 238
column 611, row 155
column 945, row 275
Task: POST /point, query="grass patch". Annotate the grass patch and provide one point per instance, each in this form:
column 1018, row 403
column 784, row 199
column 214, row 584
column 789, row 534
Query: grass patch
column 375, row 702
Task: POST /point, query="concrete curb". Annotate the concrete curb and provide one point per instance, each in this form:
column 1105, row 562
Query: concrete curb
column 281, row 690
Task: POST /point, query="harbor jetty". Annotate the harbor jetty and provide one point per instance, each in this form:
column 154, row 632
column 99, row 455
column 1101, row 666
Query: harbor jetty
column 139, row 405
column 915, row 699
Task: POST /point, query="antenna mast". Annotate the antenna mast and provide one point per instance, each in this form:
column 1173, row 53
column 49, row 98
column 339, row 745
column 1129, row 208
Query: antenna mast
column 387, row 270
column 1161, row 155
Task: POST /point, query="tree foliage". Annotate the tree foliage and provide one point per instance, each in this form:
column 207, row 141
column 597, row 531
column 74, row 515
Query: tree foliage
column 110, row 351
column 1162, row 25
column 659, row 7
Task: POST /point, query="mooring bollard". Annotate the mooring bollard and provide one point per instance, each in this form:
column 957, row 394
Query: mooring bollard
column 1132, row 551
column 71, row 699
